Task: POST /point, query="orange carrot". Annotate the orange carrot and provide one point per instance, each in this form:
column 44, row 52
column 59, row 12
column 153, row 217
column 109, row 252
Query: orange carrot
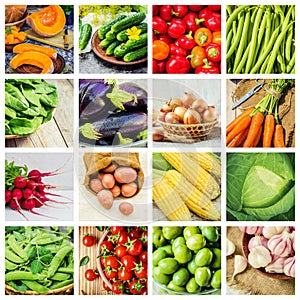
column 231, row 125
column 255, row 125
column 239, row 127
column 239, row 139
column 257, row 139
column 278, row 138
column 269, row 127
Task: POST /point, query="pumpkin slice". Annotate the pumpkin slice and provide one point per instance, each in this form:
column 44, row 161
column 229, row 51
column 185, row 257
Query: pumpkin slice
column 37, row 59
column 47, row 22
column 25, row 47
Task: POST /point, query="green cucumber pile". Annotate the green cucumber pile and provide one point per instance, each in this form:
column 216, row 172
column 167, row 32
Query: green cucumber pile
column 125, row 37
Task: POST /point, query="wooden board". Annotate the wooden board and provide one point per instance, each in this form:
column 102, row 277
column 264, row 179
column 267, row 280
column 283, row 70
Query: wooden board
column 55, row 41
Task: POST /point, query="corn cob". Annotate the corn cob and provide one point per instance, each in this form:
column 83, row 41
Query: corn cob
column 209, row 162
column 194, row 173
column 195, row 200
column 170, row 202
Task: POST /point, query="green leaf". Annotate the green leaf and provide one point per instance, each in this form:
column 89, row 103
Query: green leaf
column 30, row 94
column 24, row 126
column 84, row 260
column 118, row 96
column 32, row 252
column 36, row 266
column 122, row 140
column 19, row 287
column 233, row 215
column 158, row 162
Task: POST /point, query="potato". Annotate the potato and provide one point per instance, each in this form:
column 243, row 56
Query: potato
column 125, row 174
column 126, row 208
column 105, row 198
column 116, row 191
column 96, row 185
column 129, row 189
column 108, row 181
column 110, row 168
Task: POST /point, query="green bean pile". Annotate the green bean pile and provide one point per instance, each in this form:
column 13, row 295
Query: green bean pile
column 38, row 259
column 260, row 39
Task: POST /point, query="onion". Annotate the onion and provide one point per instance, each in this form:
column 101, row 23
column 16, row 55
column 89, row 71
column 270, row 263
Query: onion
column 172, row 118
column 200, row 105
column 166, row 107
column 188, row 99
column 162, row 116
column 191, row 117
column 210, row 114
column 180, row 111
column 174, row 102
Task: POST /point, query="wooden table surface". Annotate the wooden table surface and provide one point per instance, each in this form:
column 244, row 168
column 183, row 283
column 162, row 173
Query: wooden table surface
column 59, row 131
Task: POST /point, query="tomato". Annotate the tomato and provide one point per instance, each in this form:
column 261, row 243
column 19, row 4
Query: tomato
column 117, row 287
column 116, row 229
column 103, row 261
column 105, row 286
column 106, row 247
column 90, row 275
column 128, row 262
column 88, row 240
column 134, row 234
column 143, row 291
column 160, row 50
column 141, row 270
column 134, row 247
column 123, row 237
column 120, row 251
column 135, row 286
column 110, row 273
column 125, row 275
column 112, row 261
column 144, row 256
column 144, row 239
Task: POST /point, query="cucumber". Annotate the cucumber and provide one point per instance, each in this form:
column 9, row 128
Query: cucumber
column 105, row 43
column 106, row 27
column 84, row 35
column 110, row 35
column 136, row 54
column 122, row 49
column 111, row 47
column 129, row 21
column 123, row 37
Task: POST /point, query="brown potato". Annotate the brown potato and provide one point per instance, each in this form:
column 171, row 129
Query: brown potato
column 108, row 181
column 110, row 169
column 125, row 174
column 105, row 198
column 96, row 185
column 126, row 208
column 116, row 191
column 129, row 189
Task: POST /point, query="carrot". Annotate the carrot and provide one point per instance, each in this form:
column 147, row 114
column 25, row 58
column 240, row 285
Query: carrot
column 255, row 125
column 278, row 138
column 257, row 139
column 239, row 139
column 269, row 127
column 239, row 127
column 231, row 125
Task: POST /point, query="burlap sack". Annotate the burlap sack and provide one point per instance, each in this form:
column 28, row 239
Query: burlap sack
column 95, row 162
column 14, row 13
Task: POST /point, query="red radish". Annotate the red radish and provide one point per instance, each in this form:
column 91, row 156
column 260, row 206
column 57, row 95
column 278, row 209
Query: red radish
column 14, row 204
column 17, row 194
column 7, row 196
column 27, row 193
column 28, row 204
column 20, row 182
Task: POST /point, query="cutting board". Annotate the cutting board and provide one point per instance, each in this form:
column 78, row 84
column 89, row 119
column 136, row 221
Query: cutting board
column 55, row 41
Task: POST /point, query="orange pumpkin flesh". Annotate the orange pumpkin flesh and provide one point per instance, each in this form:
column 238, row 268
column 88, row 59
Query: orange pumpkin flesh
column 25, row 47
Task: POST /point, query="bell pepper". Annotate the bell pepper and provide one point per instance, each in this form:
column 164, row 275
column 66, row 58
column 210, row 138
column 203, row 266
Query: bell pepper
column 161, row 66
column 203, row 36
column 155, row 10
column 187, row 41
column 159, row 26
column 195, row 7
column 196, row 57
column 154, row 66
column 176, row 50
column 206, row 68
column 192, row 22
column 177, row 65
column 165, row 12
column 165, row 37
column 211, row 19
column 213, row 52
column 180, row 10
column 160, row 50
column 214, row 7
column 216, row 37
column 176, row 28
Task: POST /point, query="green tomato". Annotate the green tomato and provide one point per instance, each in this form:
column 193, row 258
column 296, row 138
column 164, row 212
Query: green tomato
column 203, row 276
column 158, row 239
column 159, row 276
column 203, row 257
column 189, row 230
column 171, row 232
column 181, row 277
column 216, row 261
column 182, row 254
column 211, row 233
column 192, row 266
column 168, row 250
column 174, row 287
column 216, row 280
column 192, row 286
column 178, row 241
column 168, row 265
column 196, row 242
column 158, row 255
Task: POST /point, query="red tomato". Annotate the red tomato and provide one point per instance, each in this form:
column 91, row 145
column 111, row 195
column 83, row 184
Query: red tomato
column 110, row 273
column 134, row 247
column 105, row 286
column 112, row 261
column 90, row 275
column 120, row 251
column 88, row 240
column 135, row 286
column 117, row 287
column 128, row 262
column 134, row 234
column 141, row 270
column 106, row 247
column 125, row 275
column 144, row 239
column 116, row 229
column 123, row 237
column 143, row 291
column 103, row 261
column 144, row 256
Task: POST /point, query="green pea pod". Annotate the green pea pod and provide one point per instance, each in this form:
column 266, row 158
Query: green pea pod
column 58, row 276
column 35, row 286
column 11, row 256
column 60, row 284
column 23, row 275
column 10, row 265
column 13, row 244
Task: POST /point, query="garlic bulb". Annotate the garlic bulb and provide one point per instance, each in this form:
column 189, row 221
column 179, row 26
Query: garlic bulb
column 289, row 266
column 276, row 265
column 281, row 244
column 259, row 257
column 269, row 231
column 257, row 240
column 230, row 247
column 240, row 264
column 256, row 230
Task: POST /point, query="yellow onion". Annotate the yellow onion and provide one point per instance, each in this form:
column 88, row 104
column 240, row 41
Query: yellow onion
column 188, row 99
column 210, row 114
column 180, row 111
column 200, row 105
column 172, row 118
column 191, row 117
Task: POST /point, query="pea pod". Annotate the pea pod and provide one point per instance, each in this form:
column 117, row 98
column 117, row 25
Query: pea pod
column 60, row 284
column 16, row 247
column 35, row 286
column 23, row 275
column 11, row 256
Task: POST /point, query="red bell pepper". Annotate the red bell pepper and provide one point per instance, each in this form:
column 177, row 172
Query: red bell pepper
column 155, row 10
column 165, row 38
column 211, row 19
column 159, row 26
column 213, row 52
column 214, row 7
column 187, row 41
column 195, row 7
column 180, row 10
column 176, row 50
column 161, row 66
column 177, row 65
column 154, row 67
column 197, row 56
column 176, row 28
column 206, row 68
column 165, row 12
column 192, row 22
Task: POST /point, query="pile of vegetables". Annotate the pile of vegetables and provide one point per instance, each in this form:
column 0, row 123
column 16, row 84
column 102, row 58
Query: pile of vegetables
column 260, row 39
column 38, row 259
column 260, row 186
column 187, row 260
column 123, row 259
column 260, row 126
column 186, row 182
column 13, row 35
column 111, row 113
column 28, row 104
column 25, row 190
column 186, row 39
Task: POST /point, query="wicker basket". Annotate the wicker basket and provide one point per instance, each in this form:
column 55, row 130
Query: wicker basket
column 66, row 290
column 187, row 133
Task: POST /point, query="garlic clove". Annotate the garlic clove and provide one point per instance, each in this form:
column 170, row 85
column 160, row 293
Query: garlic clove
column 281, row 244
column 276, row 265
column 240, row 265
column 269, row 231
column 230, row 247
column 289, row 266
column 259, row 257
column 256, row 230
column 257, row 240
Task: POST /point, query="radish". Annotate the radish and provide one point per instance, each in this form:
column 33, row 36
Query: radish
column 27, row 193
column 29, row 204
column 16, row 194
column 8, row 196
column 14, row 204
column 20, row 182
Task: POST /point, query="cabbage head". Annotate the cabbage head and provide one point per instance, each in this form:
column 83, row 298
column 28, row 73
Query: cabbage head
column 260, row 186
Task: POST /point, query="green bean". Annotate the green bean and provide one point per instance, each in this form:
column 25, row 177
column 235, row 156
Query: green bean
column 268, row 30
column 57, row 259
column 35, row 286
column 13, row 244
column 281, row 62
column 288, row 44
column 291, row 64
column 243, row 61
column 234, row 15
column 10, row 265
column 58, row 285
column 264, row 65
column 228, row 10
column 13, row 257
column 23, row 275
